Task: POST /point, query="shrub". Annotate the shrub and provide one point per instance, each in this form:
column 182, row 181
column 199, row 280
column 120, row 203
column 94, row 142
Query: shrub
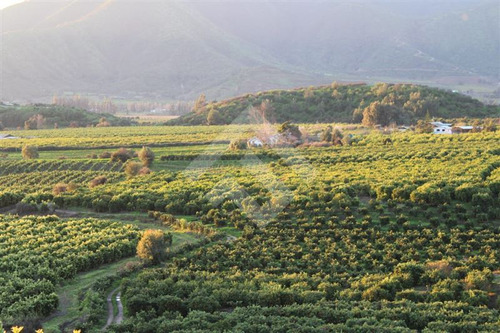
column 238, row 144
column 145, row 171
column 30, row 152
column 59, row 188
column 479, row 279
column 105, row 154
column 122, row 155
column 98, row 181
column 132, row 168
column 147, row 156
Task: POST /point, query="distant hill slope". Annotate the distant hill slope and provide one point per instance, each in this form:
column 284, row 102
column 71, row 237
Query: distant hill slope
column 405, row 103
column 160, row 50
column 151, row 50
column 15, row 116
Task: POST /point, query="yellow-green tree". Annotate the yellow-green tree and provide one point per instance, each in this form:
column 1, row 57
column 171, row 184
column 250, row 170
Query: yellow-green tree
column 147, row 156
column 30, row 152
column 132, row 169
column 151, row 247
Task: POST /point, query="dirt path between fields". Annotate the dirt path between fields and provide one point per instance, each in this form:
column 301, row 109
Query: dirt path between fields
column 111, row 309
column 119, row 316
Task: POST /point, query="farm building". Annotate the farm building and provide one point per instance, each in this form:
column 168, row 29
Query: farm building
column 443, row 130
column 255, row 142
column 7, row 136
column 463, row 129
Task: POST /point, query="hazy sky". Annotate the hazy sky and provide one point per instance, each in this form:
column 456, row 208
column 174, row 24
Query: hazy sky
column 7, row 3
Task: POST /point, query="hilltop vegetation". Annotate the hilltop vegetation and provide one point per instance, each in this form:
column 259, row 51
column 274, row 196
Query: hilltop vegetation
column 384, row 103
column 41, row 116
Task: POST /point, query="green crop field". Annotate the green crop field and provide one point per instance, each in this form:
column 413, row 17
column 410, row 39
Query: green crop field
column 399, row 235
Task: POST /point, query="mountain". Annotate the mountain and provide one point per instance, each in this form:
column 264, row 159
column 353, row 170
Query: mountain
column 179, row 49
column 398, row 103
column 370, row 39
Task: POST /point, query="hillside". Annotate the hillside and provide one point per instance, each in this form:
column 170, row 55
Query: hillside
column 16, row 116
column 340, row 103
column 176, row 50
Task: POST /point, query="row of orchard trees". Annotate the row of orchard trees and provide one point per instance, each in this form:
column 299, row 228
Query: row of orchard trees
column 37, row 253
column 311, row 263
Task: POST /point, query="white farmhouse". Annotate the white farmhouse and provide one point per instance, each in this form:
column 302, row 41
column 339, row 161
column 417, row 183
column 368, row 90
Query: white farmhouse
column 441, row 128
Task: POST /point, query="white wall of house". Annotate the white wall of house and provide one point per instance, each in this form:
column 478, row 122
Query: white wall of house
column 443, row 130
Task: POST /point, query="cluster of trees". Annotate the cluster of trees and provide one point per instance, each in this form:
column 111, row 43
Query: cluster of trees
column 41, row 116
column 108, row 106
column 323, row 269
column 379, row 104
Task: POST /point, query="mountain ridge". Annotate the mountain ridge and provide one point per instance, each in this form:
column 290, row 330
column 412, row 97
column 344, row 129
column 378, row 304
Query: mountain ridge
column 180, row 49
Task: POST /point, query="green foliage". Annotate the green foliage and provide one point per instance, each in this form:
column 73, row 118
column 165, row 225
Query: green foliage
column 214, row 117
column 379, row 104
column 33, row 263
column 40, row 116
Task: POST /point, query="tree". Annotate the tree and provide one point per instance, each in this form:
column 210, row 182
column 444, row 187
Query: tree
column 147, row 156
column 326, row 136
column 35, row 122
column 103, row 122
column 30, row 152
column 423, row 127
column 337, row 137
column 309, row 93
column 289, row 129
column 151, row 247
column 479, row 279
column 378, row 113
column 489, row 125
column 200, row 104
column 214, row 117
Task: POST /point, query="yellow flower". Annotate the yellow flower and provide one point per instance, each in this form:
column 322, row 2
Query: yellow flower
column 77, row 331
column 17, row 329
column 39, row 331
